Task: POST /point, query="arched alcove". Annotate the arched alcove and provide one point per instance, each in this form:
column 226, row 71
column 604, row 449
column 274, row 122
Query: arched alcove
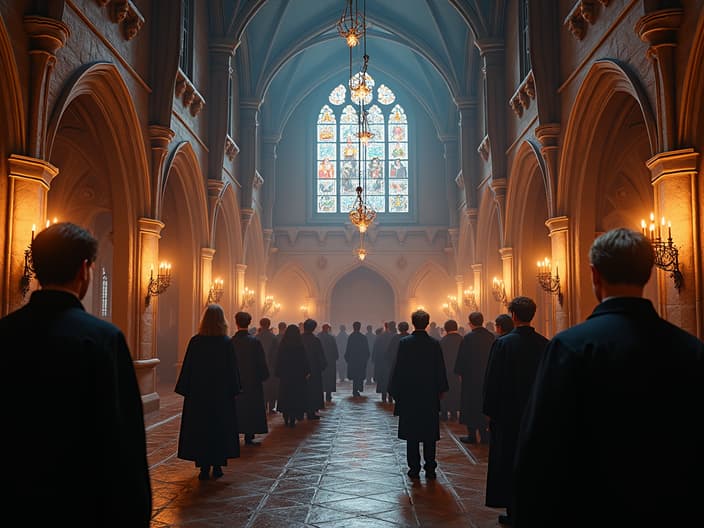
column 95, row 140
column 429, row 289
column 185, row 217
column 361, row 295
column 605, row 182
column 292, row 287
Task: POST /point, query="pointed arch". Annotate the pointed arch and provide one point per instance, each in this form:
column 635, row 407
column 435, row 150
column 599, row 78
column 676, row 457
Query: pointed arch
column 527, row 166
column 605, row 80
column 349, row 266
column 691, row 129
column 103, row 85
column 11, row 103
column 295, row 268
column 428, row 268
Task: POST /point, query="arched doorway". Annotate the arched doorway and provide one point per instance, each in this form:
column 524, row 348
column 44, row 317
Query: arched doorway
column 361, row 295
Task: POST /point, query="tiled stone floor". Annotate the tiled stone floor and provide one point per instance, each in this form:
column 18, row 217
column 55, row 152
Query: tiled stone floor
column 346, row 470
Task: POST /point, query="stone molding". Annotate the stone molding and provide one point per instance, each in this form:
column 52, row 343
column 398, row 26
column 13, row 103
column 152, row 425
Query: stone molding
column 231, row 148
column 583, row 14
column 520, row 101
column 188, row 94
column 484, row 148
column 126, row 14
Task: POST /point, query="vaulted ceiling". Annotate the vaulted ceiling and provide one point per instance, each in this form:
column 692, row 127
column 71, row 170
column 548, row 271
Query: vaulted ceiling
column 286, row 49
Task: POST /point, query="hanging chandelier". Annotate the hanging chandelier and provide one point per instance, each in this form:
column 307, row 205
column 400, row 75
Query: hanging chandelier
column 362, row 214
column 361, row 251
column 351, row 24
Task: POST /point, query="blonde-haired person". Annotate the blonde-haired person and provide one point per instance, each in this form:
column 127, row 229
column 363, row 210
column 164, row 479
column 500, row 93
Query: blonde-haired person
column 209, row 382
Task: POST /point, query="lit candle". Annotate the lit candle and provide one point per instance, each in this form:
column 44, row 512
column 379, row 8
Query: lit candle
column 644, row 226
column 34, row 228
column 652, row 232
column 669, row 230
column 47, row 223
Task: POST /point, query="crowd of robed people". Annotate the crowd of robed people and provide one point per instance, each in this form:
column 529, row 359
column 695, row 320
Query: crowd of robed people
column 573, row 421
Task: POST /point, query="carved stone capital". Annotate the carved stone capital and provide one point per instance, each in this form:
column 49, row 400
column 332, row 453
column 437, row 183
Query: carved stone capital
column 32, row 169
column 557, row 224
column 659, row 28
column 46, row 34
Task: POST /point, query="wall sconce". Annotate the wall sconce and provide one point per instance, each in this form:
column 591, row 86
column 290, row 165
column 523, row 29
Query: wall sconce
column 248, row 298
column 304, row 310
column 498, row 290
column 666, row 253
column 547, row 282
column 270, row 304
column 216, row 290
column 28, row 272
column 161, row 283
column 470, row 300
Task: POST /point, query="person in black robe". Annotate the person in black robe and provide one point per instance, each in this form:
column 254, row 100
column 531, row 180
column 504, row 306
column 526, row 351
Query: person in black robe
column 331, row 356
column 74, row 444
column 380, row 358
column 209, row 381
column 588, row 445
column 268, row 340
column 341, row 339
column 504, row 324
column 450, row 344
column 293, row 370
column 370, row 335
column 472, row 359
column 418, row 382
column 251, row 409
column 356, row 355
column 317, row 363
column 508, row 381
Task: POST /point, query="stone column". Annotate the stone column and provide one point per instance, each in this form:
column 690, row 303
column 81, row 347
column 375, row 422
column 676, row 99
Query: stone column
column 249, row 126
column 269, row 156
column 450, row 155
column 219, row 68
column 477, row 281
column 468, row 156
column 659, row 30
column 46, row 37
column 674, row 177
column 206, row 272
column 559, row 240
column 240, row 269
column 494, row 67
column 160, row 137
column 549, row 135
column 28, row 186
column 507, row 271
column 261, row 295
column 146, row 360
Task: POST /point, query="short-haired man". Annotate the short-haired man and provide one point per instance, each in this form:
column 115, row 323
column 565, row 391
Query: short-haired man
column 418, row 382
column 509, row 377
column 585, row 455
column 470, row 367
column 70, row 387
column 504, row 324
column 254, row 371
column 332, row 354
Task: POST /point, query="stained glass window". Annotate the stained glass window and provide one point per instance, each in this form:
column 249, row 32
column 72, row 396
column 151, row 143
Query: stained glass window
column 384, row 169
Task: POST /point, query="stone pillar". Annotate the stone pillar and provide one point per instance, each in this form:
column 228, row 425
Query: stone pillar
column 559, row 239
column 549, row 135
column 146, row 360
column 240, row 269
column 28, row 186
column 507, row 271
column 249, row 126
column 269, row 156
column 220, row 70
column 494, row 67
column 450, row 155
column 477, row 281
column 261, row 295
column 498, row 187
column 206, row 272
column 674, row 177
column 160, row 137
column 659, row 30
column 46, row 37
column 468, row 156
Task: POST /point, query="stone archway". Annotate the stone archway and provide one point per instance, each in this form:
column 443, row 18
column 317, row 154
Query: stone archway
column 361, row 295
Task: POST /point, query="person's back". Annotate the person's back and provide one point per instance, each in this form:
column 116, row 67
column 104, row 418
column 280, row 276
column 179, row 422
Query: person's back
column 269, row 343
column 450, row 344
column 610, row 393
column 83, row 405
